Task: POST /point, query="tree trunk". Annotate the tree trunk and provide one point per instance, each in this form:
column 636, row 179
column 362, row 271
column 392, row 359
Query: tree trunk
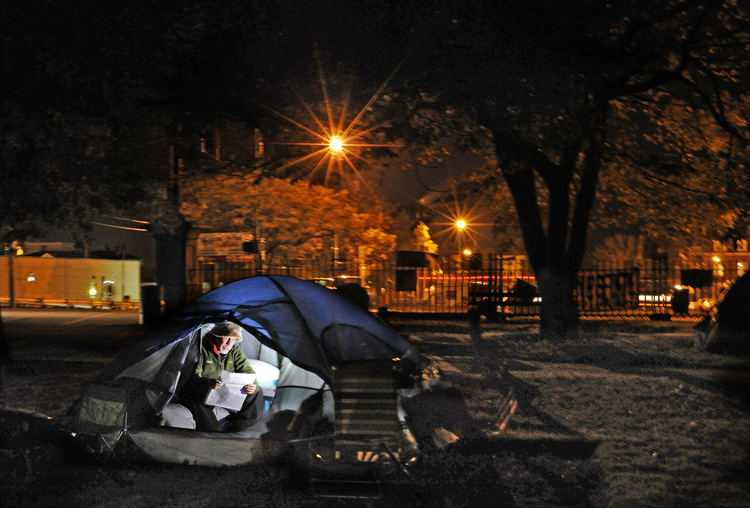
column 555, row 249
column 558, row 309
column 547, row 251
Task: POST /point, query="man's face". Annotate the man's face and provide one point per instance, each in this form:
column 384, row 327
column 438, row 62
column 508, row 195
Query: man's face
column 224, row 344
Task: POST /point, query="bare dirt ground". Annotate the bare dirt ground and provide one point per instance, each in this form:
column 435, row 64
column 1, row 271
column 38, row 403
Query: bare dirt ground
column 630, row 415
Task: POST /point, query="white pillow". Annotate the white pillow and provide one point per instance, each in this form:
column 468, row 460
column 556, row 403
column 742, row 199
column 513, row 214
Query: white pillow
column 268, row 375
column 177, row 415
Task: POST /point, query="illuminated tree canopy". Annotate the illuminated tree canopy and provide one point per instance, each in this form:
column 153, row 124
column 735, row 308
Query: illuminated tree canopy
column 684, row 181
column 422, row 240
column 297, row 220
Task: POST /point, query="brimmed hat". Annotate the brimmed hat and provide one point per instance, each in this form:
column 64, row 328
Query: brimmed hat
column 227, row 329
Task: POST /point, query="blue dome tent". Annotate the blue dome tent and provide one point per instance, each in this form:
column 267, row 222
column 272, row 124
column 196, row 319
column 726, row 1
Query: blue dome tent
column 295, row 333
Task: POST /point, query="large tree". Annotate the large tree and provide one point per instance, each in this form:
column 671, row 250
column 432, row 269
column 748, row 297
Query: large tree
column 562, row 90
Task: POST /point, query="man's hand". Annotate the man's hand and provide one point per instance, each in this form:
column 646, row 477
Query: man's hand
column 214, row 383
column 250, row 389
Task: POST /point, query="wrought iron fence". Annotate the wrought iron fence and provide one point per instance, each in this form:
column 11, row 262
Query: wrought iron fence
column 655, row 287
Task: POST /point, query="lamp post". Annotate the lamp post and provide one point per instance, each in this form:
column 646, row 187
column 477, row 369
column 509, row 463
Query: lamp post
column 460, row 227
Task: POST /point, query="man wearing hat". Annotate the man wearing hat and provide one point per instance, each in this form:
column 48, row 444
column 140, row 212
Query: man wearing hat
column 218, row 353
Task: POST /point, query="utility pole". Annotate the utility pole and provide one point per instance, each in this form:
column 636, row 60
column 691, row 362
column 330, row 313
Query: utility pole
column 171, row 270
column 258, row 252
column 335, row 256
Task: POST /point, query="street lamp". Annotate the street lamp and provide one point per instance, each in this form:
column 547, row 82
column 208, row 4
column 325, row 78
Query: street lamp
column 336, row 144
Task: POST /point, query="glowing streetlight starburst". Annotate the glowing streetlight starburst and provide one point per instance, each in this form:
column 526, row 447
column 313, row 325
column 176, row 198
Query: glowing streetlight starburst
column 338, row 143
column 462, row 223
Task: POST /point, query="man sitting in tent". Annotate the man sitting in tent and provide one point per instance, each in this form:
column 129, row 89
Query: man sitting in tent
column 218, row 353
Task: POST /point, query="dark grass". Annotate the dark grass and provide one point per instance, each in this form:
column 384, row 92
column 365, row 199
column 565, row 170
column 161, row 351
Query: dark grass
column 41, row 467
column 646, row 459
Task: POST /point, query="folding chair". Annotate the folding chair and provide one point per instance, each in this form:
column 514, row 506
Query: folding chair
column 367, row 445
column 102, row 419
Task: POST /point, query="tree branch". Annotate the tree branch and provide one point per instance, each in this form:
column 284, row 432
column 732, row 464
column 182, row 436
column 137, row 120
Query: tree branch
column 586, row 195
column 421, row 182
column 651, row 176
column 513, row 147
column 716, row 112
column 664, row 76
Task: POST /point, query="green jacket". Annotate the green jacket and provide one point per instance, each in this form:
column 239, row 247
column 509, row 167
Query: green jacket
column 209, row 368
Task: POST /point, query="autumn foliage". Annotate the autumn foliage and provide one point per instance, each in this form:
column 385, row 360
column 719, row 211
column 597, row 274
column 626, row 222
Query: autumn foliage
column 297, row 220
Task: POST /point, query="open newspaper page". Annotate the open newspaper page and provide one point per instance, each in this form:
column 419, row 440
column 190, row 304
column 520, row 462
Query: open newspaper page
column 231, row 393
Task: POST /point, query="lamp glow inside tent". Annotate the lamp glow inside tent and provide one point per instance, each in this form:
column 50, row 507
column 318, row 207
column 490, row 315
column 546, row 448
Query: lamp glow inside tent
column 295, row 332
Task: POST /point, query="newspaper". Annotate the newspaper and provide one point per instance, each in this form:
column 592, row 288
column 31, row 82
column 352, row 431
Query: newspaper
column 231, row 393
